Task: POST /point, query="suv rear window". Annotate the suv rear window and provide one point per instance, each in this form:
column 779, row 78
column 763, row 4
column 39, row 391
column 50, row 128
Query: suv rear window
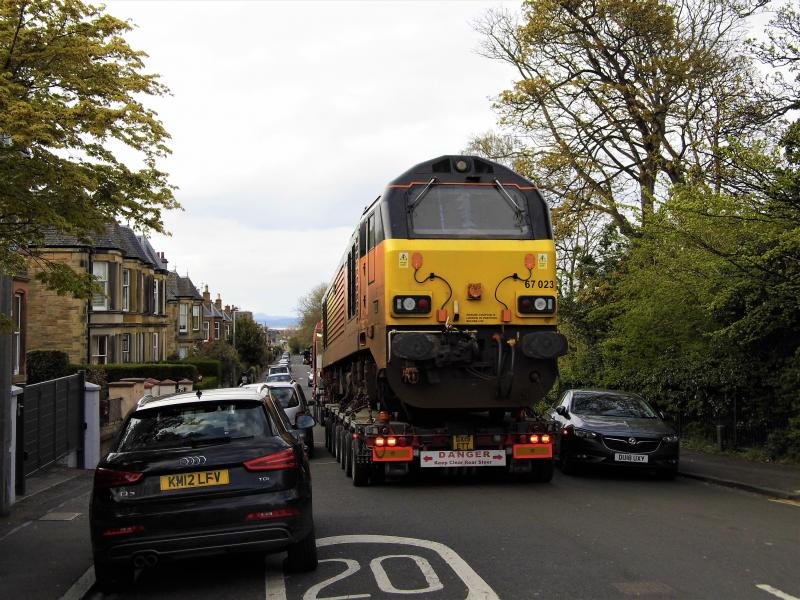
column 285, row 397
column 194, row 424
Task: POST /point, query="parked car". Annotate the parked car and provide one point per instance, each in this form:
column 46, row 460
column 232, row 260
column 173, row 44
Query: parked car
column 291, row 398
column 278, row 369
column 279, row 378
column 196, row 474
column 612, row 428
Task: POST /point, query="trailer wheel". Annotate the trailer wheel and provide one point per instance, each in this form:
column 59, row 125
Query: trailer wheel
column 340, row 453
column 348, row 454
column 542, row 471
column 359, row 470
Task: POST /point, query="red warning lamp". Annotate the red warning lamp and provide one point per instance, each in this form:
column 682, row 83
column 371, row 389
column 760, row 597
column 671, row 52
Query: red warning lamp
column 530, row 261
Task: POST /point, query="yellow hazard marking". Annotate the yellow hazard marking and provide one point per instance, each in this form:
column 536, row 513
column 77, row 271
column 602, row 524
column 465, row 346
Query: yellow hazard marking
column 402, row 260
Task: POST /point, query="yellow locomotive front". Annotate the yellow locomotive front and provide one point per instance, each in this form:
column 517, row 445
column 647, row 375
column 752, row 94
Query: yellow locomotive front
column 448, row 294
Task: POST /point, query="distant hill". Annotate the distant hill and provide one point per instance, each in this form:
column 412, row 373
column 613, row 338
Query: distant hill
column 275, row 321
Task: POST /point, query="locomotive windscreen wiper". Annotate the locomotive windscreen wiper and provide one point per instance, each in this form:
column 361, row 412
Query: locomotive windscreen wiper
column 419, row 198
column 511, row 202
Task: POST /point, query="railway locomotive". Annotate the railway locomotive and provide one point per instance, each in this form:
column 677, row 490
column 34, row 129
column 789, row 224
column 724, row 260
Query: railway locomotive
column 443, row 306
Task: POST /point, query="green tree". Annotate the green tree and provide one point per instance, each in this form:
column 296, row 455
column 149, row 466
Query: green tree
column 250, row 342
column 222, row 351
column 619, row 99
column 71, row 99
column 309, row 312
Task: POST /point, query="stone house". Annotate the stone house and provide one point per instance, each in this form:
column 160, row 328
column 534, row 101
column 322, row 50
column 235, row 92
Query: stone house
column 216, row 323
column 127, row 322
column 185, row 309
column 19, row 326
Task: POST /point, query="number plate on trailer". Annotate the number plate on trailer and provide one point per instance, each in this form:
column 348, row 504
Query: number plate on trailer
column 463, row 442
column 462, row 458
column 181, row 481
column 637, row 458
column 392, row 454
column 533, row 451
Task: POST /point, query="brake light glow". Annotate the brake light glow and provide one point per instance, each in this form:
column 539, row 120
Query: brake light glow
column 545, row 439
column 108, row 478
column 272, row 462
column 131, row 529
column 534, row 439
column 379, row 441
column 391, row 441
column 355, row 436
column 273, row 514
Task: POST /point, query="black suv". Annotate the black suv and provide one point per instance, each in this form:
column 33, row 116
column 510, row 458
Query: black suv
column 199, row 474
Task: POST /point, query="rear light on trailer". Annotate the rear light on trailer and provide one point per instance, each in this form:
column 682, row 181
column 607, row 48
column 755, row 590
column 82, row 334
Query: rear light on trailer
column 391, row 441
column 273, row 514
column 411, row 305
column 527, row 305
column 534, row 439
column 355, row 436
column 379, row 441
column 272, row 462
column 545, row 439
column 130, row 530
column 108, row 478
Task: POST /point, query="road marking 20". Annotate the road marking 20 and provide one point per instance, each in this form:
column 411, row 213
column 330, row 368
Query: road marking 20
column 434, row 584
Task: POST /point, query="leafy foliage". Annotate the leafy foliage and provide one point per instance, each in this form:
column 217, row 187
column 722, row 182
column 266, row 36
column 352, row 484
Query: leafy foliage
column 71, row 91
column 44, row 365
column 250, row 342
column 309, row 311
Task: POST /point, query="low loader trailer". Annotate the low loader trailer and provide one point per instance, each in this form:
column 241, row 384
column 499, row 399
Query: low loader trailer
column 371, row 447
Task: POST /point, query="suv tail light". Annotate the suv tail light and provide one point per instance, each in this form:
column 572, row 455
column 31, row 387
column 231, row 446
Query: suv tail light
column 108, row 478
column 272, row 462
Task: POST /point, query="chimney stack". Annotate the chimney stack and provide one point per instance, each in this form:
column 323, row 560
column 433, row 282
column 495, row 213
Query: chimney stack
column 206, row 296
column 218, row 302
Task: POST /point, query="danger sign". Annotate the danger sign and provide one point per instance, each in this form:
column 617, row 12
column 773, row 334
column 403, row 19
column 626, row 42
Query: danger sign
column 462, row 458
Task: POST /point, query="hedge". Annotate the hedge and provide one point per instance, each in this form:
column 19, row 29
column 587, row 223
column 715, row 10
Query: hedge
column 207, row 367
column 160, row 371
column 43, row 365
column 207, row 383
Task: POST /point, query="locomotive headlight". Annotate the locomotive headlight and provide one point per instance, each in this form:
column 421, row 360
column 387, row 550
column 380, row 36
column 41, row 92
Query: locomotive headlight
column 462, row 166
column 536, row 305
column 408, row 304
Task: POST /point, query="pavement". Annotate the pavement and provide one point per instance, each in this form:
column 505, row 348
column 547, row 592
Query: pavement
column 45, row 551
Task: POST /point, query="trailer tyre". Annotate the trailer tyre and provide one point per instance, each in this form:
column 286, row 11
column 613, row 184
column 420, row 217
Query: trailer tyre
column 348, row 454
column 359, row 470
column 542, row 471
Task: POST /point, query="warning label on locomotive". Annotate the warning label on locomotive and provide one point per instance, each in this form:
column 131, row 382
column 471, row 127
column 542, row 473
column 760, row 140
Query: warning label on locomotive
column 462, row 458
column 542, row 262
column 403, row 260
column 486, row 317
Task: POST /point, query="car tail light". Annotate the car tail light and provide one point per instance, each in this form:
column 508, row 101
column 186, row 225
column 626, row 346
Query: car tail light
column 272, row 462
column 273, row 514
column 108, row 478
column 131, row 529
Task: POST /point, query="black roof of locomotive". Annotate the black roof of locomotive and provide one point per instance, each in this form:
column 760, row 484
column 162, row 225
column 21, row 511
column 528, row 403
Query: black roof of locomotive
column 443, row 169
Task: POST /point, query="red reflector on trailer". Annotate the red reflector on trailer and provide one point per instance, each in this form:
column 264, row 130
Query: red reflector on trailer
column 124, row 530
column 273, row 514
column 355, row 436
column 565, row 432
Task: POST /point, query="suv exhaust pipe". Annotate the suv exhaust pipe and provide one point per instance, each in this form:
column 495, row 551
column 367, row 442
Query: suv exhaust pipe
column 145, row 560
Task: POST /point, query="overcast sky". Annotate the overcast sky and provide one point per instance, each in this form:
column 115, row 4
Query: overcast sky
column 287, row 118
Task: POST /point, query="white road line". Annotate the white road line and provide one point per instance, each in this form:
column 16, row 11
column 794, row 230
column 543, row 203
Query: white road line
column 15, row 530
column 80, row 587
column 275, row 587
column 477, row 588
column 776, row 592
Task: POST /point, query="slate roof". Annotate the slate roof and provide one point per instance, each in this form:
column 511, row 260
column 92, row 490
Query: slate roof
column 114, row 237
column 181, row 287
